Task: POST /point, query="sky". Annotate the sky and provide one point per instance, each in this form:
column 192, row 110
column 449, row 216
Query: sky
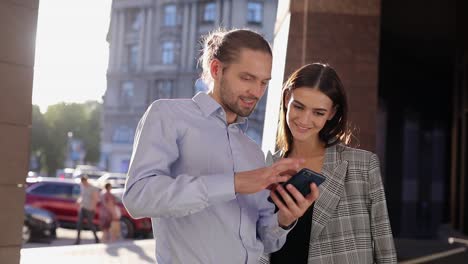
column 71, row 51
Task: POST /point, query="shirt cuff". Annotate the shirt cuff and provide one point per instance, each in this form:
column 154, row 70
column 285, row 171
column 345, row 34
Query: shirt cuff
column 220, row 188
column 291, row 226
column 278, row 231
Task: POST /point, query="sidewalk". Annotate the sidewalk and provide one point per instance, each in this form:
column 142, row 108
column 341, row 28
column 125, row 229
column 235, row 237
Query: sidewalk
column 410, row 251
column 141, row 251
column 413, row 251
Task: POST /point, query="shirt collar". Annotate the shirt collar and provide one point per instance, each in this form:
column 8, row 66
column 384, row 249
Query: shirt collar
column 209, row 106
column 206, row 103
column 242, row 123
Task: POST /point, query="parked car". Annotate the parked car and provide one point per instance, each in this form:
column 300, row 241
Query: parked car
column 117, row 180
column 92, row 172
column 39, row 225
column 33, row 174
column 65, row 173
column 60, row 197
column 92, row 175
column 33, row 180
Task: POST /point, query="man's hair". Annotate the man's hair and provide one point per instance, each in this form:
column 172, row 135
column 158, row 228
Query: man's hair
column 225, row 46
column 84, row 177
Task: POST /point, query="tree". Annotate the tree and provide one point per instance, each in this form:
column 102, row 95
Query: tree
column 39, row 136
column 83, row 120
column 92, row 128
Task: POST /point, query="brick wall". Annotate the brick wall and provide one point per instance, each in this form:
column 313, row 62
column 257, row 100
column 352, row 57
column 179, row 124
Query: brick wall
column 344, row 34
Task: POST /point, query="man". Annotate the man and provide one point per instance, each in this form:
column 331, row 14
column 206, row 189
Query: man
column 88, row 200
column 198, row 175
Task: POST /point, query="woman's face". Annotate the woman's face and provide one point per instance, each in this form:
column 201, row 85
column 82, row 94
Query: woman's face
column 307, row 112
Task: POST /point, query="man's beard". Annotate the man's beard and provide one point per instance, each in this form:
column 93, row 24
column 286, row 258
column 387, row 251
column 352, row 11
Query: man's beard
column 229, row 100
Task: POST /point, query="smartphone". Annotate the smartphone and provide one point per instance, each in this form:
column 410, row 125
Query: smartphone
column 301, row 181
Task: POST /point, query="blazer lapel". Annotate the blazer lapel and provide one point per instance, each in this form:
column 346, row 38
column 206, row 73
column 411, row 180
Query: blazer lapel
column 334, row 170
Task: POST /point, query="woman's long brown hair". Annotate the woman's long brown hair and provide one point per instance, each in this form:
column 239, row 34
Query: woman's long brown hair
column 325, row 79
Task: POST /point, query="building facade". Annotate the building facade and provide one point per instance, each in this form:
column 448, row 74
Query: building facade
column 154, row 48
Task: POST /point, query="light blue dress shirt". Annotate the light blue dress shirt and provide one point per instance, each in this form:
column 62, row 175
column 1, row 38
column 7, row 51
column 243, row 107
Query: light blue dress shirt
column 182, row 176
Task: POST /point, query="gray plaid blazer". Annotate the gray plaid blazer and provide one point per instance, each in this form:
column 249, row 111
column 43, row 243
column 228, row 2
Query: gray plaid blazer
column 350, row 221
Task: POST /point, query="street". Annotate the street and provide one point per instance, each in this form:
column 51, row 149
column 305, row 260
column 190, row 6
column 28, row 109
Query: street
column 62, row 250
column 66, row 237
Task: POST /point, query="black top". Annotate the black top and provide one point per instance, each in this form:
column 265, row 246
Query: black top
column 296, row 248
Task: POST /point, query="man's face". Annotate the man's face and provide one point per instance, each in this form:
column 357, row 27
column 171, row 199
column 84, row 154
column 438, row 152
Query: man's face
column 243, row 82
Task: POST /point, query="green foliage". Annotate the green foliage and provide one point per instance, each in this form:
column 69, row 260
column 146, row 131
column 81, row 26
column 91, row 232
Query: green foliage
column 93, row 127
column 49, row 132
column 38, row 130
column 39, row 136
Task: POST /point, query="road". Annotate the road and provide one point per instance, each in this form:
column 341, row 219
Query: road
column 66, row 237
column 62, row 250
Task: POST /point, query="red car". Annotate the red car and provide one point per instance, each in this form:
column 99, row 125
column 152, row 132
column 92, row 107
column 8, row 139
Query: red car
column 59, row 196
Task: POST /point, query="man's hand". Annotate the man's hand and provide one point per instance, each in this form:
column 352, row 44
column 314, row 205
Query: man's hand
column 256, row 180
column 291, row 210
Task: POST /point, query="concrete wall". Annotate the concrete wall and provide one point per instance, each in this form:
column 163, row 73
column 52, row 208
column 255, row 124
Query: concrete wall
column 18, row 21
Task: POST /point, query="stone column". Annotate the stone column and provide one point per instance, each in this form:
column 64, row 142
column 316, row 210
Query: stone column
column 113, row 38
column 148, row 36
column 142, row 38
column 186, row 45
column 119, row 45
column 18, row 21
column 193, row 36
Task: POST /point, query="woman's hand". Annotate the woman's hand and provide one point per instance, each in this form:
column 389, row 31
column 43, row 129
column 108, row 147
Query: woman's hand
column 291, row 210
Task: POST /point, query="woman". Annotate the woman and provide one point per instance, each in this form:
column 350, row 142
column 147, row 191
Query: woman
column 349, row 222
column 108, row 214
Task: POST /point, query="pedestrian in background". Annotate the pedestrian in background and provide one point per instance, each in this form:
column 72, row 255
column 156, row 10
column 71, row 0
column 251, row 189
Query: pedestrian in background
column 109, row 215
column 115, row 230
column 89, row 197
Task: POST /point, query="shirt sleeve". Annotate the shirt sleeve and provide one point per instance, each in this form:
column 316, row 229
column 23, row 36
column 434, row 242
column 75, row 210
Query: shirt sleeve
column 384, row 248
column 272, row 235
column 151, row 190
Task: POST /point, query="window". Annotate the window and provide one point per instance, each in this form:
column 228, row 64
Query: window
column 126, row 92
column 76, row 191
column 63, row 191
column 168, row 52
column 165, row 89
column 124, row 164
column 162, row 89
column 170, row 15
column 123, row 134
column 254, row 12
column 44, row 189
column 133, row 56
column 54, row 190
column 134, row 19
column 209, row 12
